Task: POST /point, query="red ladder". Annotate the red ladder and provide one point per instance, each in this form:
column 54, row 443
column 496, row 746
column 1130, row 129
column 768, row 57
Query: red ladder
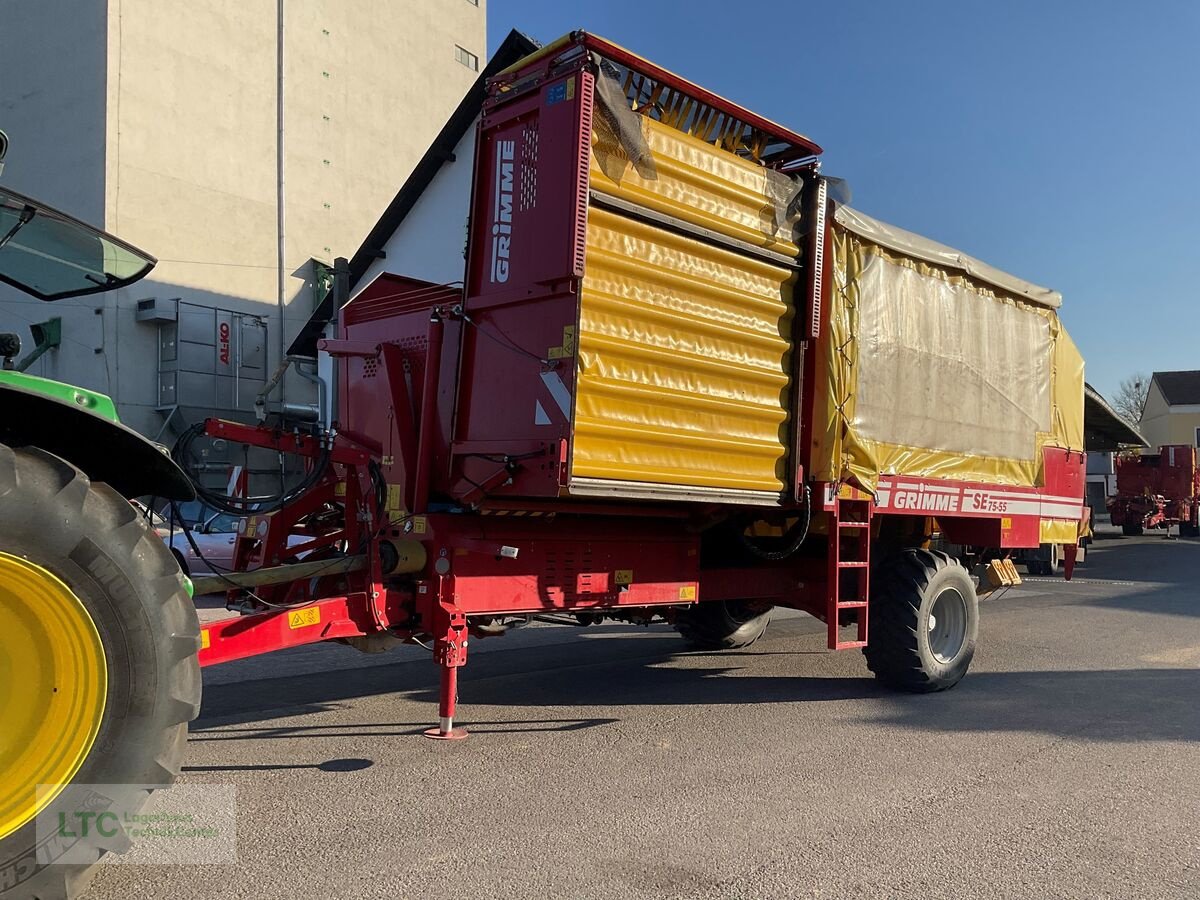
column 849, row 552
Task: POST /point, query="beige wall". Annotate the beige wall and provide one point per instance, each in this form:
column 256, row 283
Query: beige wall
column 177, row 150
column 1161, row 424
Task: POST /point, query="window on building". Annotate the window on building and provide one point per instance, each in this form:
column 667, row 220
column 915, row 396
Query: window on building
column 467, row 58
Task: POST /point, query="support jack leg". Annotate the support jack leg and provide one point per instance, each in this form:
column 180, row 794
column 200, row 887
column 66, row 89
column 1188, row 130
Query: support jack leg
column 445, row 730
column 450, row 652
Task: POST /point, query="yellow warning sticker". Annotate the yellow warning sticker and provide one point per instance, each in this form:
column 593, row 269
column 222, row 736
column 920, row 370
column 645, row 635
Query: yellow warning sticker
column 567, row 348
column 304, row 618
column 687, row 592
column 571, row 88
column 419, row 525
column 395, row 500
column 1006, row 524
column 339, row 489
column 623, row 576
column 205, row 640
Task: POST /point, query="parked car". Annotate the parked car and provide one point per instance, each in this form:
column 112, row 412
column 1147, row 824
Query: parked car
column 213, row 532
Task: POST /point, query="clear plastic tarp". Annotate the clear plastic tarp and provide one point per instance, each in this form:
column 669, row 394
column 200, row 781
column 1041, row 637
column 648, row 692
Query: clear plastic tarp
column 936, row 365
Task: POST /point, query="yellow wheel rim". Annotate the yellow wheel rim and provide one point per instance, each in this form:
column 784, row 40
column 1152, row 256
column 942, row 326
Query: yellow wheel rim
column 53, row 680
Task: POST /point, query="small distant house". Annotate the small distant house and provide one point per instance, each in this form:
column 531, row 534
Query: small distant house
column 1171, row 413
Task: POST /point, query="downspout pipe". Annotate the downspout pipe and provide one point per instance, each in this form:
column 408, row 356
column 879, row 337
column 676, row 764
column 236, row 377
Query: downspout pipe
column 322, row 388
column 280, row 196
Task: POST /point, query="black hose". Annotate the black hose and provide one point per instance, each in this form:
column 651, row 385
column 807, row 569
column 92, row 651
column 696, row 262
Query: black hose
column 790, row 549
column 241, row 506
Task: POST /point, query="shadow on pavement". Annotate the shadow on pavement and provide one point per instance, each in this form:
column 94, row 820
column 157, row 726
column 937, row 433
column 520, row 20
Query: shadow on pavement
column 330, row 765
column 1119, row 704
column 385, row 729
column 611, row 667
column 1151, row 558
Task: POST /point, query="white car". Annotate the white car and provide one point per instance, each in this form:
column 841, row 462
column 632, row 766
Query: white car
column 214, row 535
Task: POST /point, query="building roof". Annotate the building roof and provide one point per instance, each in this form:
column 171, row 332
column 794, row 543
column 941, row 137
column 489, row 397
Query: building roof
column 1179, row 388
column 1103, row 427
column 512, row 49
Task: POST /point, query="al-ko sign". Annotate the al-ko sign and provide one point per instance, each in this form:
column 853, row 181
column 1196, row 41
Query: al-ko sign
column 502, row 217
column 223, row 343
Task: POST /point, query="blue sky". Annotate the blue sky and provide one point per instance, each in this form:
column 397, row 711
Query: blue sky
column 1057, row 140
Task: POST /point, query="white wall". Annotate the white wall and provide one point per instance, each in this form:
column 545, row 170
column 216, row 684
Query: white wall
column 429, row 243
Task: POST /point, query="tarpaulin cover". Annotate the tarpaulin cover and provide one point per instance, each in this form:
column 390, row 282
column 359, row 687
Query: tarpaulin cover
column 683, row 355
column 936, row 367
column 691, row 179
column 915, row 246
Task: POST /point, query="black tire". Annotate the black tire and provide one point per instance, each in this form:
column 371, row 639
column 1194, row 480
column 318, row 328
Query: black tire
column 1131, row 530
column 904, row 593
column 722, row 624
column 128, row 581
column 1047, row 568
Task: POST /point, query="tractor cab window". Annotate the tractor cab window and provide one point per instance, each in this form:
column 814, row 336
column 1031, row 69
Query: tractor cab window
column 53, row 256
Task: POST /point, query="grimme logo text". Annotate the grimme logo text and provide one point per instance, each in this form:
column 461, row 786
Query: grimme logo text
column 502, row 223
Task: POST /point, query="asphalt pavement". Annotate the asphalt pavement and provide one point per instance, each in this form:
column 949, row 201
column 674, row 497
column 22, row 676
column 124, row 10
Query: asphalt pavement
column 606, row 762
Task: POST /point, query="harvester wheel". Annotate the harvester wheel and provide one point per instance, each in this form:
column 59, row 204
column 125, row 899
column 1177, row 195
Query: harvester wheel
column 924, row 618
column 722, row 624
column 98, row 667
column 1131, row 530
column 1048, row 568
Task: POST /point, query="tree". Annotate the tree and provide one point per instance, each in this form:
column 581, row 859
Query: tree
column 1131, row 396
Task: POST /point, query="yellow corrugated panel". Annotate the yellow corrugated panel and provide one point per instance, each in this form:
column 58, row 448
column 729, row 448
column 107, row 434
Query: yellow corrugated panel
column 698, row 183
column 683, row 361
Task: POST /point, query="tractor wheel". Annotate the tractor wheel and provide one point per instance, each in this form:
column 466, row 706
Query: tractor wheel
column 1131, row 530
column 98, row 667
column 722, row 624
column 924, row 618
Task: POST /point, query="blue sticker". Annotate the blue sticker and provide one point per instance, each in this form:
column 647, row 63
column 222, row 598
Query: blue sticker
column 556, row 94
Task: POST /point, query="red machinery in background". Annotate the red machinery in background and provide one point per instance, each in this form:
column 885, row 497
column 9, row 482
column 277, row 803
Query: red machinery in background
column 615, row 414
column 1157, row 490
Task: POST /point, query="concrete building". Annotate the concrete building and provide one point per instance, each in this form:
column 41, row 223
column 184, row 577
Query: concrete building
column 1171, row 413
column 237, row 142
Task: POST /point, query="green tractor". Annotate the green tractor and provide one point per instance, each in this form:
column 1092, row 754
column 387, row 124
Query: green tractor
column 98, row 633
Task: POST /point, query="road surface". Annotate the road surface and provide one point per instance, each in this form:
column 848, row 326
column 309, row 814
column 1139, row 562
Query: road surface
column 604, row 762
